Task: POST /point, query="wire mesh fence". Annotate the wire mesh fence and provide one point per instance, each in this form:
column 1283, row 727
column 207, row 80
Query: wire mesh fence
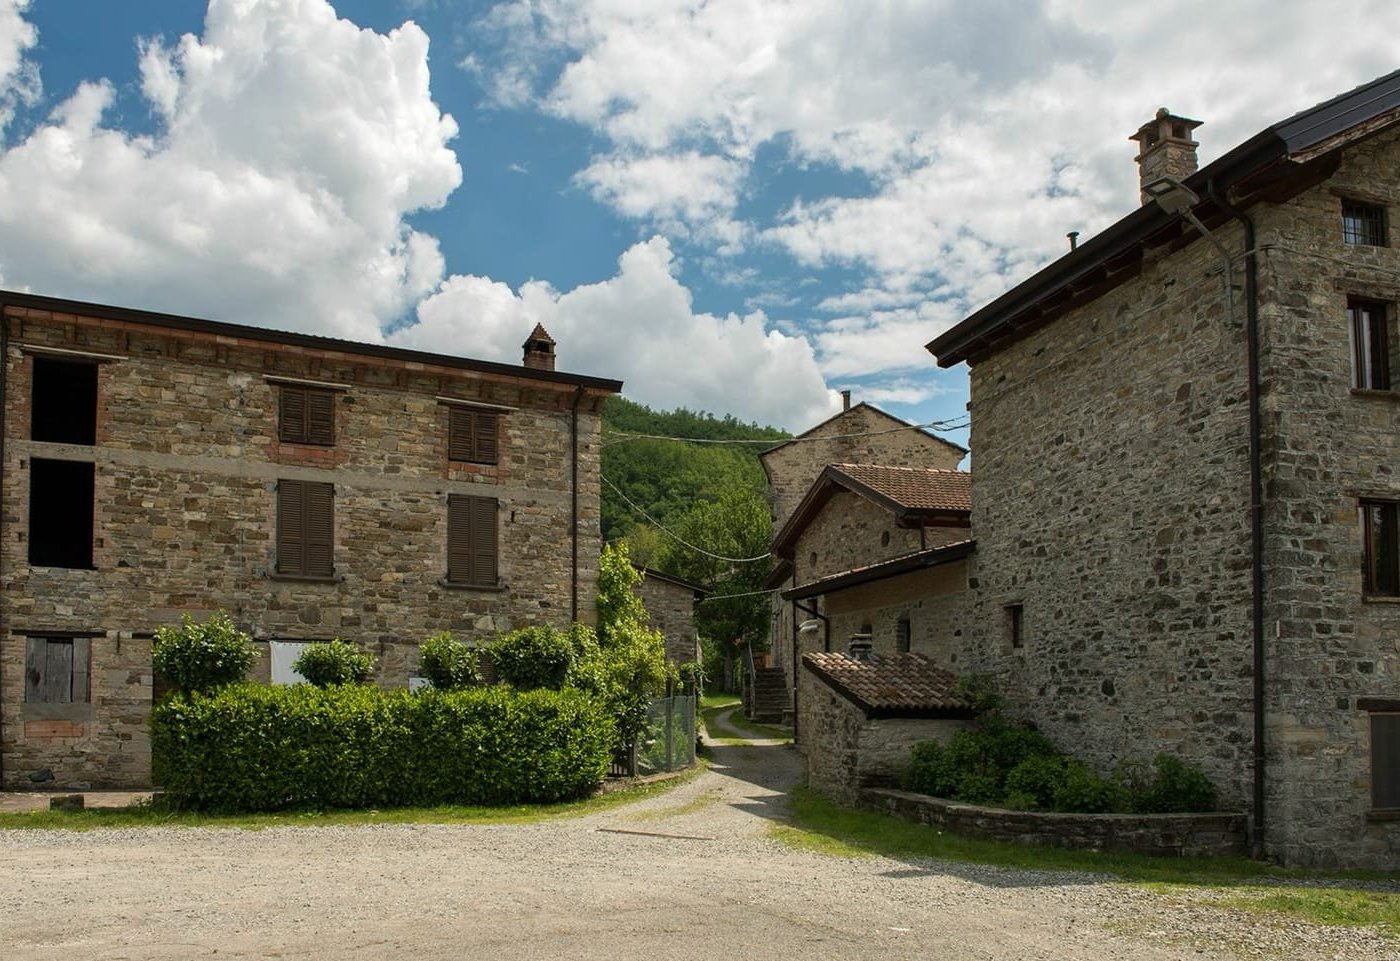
column 667, row 743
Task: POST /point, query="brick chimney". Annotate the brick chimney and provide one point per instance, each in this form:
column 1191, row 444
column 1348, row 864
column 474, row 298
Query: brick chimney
column 1165, row 149
column 539, row 349
column 845, row 400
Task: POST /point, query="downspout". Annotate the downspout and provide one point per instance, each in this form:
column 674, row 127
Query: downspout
column 573, row 506
column 1256, row 506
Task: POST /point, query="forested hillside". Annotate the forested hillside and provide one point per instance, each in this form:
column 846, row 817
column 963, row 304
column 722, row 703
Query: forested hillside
column 707, row 503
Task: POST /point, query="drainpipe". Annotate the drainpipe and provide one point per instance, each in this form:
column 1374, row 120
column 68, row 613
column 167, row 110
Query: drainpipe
column 573, row 506
column 1256, row 505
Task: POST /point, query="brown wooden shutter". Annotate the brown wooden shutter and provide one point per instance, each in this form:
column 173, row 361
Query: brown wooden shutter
column 471, row 435
column 291, row 415
column 458, row 539
column 459, row 434
column 1385, row 760
column 484, row 437
column 291, row 528
column 320, row 417
column 320, row 529
column 483, row 547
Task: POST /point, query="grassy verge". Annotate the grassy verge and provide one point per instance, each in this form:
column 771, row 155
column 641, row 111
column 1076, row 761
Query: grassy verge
column 149, row 815
column 1362, row 898
column 735, row 721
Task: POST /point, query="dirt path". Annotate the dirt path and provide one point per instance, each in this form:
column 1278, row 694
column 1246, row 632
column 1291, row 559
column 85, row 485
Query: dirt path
column 684, row 875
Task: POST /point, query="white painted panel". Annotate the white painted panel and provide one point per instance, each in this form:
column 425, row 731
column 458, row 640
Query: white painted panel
column 283, row 654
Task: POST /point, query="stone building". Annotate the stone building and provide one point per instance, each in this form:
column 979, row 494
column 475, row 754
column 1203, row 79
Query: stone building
column 156, row 465
column 670, row 602
column 860, row 434
column 1187, row 434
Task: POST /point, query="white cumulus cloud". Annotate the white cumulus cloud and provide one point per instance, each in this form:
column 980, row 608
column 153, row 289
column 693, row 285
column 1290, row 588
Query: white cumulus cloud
column 291, row 145
column 639, row 326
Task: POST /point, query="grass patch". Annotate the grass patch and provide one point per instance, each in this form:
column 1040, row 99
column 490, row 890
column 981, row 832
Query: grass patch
column 153, row 815
column 677, row 810
column 708, row 701
column 726, row 718
column 821, row 826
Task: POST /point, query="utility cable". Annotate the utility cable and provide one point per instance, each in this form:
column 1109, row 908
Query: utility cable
column 676, row 537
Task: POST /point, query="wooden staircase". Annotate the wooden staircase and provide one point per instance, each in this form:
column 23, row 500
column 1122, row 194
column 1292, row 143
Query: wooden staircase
column 767, row 701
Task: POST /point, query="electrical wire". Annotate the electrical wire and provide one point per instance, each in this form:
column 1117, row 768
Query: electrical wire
column 676, row 537
column 957, row 423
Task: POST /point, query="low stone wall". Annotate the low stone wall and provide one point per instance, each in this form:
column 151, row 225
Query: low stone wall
column 1174, row 835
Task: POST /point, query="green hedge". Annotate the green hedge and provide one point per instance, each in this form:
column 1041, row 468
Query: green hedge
column 251, row 747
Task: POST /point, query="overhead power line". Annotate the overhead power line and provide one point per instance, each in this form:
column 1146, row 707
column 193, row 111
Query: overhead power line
column 957, row 423
column 676, row 537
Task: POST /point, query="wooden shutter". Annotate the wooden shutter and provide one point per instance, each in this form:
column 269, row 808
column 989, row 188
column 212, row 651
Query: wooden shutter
column 320, row 529
column 56, row 670
column 1385, row 760
column 291, row 415
column 320, row 417
column 471, row 540
column 291, row 528
column 306, row 415
column 471, row 435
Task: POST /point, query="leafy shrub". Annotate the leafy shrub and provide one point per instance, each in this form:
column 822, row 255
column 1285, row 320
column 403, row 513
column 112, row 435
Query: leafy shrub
column 931, row 771
column 1036, row 781
column 447, row 663
column 1175, row 786
column 334, row 662
column 692, row 678
column 533, row 657
column 1083, row 791
column 202, row 657
column 252, row 747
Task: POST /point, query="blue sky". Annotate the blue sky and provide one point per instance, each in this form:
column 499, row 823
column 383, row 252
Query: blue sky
column 740, row 206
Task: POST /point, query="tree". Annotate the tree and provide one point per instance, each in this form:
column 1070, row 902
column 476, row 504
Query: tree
column 629, row 670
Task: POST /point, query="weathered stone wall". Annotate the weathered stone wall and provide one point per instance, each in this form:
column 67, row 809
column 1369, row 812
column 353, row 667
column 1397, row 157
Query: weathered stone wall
column 1110, row 501
column 934, row 601
column 1326, row 446
column 671, row 608
column 187, row 462
column 1167, row 835
column 846, row 751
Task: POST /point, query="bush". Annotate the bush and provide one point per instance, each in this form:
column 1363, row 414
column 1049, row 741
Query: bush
column 447, row 663
column 251, row 747
column 931, row 771
column 534, row 657
column 334, row 662
column 1082, row 791
column 1175, row 786
column 1036, row 781
column 202, row 657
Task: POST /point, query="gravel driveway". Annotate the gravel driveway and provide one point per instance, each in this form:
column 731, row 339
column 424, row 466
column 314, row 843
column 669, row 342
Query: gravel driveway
column 689, row 874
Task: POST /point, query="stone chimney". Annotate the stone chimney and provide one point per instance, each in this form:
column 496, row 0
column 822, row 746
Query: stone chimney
column 1165, row 149
column 845, row 400
column 539, row 349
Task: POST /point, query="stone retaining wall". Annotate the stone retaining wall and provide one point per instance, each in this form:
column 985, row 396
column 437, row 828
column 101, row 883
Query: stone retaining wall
column 1174, row 835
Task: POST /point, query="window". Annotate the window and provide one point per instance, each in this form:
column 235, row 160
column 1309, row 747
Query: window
column 56, row 670
column 471, row 540
column 305, row 528
column 1385, row 751
column 283, row 654
column 306, row 415
column 1016, row 625
column 1380, row 548
column 60, row 513
column 63, row 406
column 1370, row 345
column 902, row 635
column 1363, row 224
column 471, row 435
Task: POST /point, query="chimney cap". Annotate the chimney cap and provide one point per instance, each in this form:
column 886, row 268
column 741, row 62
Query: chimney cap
column 539, row 336
column 1165, row 125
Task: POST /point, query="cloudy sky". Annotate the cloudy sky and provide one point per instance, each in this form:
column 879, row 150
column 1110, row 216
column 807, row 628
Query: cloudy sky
column 739, row 206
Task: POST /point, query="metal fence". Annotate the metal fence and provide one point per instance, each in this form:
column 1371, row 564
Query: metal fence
column 667, row 743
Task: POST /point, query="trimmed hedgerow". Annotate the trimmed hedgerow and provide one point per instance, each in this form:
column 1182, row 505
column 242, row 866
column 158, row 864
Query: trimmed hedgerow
column 202, row 656
column 252, row 748
column 334, row 662
column 447, row 663
column 1003, row 764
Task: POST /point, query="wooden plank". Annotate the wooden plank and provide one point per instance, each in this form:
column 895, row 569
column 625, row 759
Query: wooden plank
column 82, row 671
column 58, row 673
column 35, row 665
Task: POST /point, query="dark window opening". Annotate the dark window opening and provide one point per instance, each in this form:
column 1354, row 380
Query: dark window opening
column 64, row 402
column 305, row 528
column 1385, row 761
column 306, row 415
column 472, row 540
column 1370, row 345
column 1016, row 625
column 472, row 435
column 902, row 635
column 1380, row 527
column 1363, row 224
column 60, row 513
column 56, row 670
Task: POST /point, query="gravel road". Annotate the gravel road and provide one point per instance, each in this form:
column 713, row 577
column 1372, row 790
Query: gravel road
column 692, row 873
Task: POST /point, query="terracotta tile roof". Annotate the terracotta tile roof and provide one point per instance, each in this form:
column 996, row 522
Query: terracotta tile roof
column 914, row 488
column 905, row 685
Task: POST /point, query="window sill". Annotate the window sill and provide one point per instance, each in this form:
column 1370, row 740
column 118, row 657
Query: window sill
column 317, row 578
column 497, row 588
column 1383, row 814
column 1379, row 599
column 306, row 443
column 1374, row 393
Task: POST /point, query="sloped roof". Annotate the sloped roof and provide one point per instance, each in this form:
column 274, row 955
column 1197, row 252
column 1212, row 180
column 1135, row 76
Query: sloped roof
column 699, row 590
column 905, row 685
column 895, row 423
column 1275, row 164
column 915, row 496
column 895, row 566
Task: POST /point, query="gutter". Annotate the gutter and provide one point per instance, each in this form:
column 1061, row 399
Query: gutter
column 1256, row 510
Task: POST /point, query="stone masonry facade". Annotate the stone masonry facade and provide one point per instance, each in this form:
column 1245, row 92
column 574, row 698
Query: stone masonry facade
column 187, row 463
column 1111, row 508
column 671, row 608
